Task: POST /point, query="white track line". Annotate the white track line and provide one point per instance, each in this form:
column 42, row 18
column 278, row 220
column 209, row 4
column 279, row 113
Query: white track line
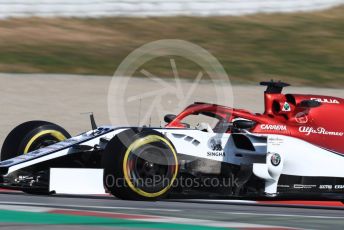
column 23, row 208
column 219, row 201
column 85, row 206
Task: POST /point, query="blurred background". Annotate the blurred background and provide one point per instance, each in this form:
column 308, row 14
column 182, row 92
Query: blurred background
column 300, row 41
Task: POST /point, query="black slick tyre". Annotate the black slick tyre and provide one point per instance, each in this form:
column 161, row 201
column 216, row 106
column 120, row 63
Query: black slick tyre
column 30, row 136
column 139, row 165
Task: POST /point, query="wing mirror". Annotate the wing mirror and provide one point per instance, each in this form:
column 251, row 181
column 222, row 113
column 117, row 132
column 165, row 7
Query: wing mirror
column 169, row 117
column 243, row 124
column 309, row 104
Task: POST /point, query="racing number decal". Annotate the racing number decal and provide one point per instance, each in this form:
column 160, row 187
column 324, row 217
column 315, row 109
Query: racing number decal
column 126, row 169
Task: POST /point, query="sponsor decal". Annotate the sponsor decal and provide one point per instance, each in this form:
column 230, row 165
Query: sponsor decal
column 216, row 154
column 38, row 151
column 304, row 186
column 326, row 100
column 24, row 157
column 286, row 107
column 215, row 144
column 325, row 186
column 71, row 140
column 275, row 159
column 276, row 141
column 322, row 131
column 283, row 186
column 51, row 147
column 339, row 186
column 274, row 127
column 301, row 118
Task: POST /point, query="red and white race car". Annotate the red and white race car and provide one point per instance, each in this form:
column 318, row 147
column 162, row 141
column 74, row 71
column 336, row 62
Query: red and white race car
column 295, row 148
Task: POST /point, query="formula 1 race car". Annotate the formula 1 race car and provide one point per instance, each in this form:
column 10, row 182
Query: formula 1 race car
column 294, row 148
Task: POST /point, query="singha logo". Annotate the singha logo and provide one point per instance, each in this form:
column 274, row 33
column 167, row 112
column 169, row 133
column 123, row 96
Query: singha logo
column 215, row 144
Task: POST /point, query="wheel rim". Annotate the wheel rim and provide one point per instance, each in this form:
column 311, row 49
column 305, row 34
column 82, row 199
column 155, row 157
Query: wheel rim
column 161, row 161
column 149, row 164
column 43, row 139
column 43, row 142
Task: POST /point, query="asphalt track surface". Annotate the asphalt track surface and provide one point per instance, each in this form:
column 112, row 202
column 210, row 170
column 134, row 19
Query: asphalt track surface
column 243, row 215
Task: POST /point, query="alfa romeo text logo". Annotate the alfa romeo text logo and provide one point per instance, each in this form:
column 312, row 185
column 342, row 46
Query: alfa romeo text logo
column 322, row 131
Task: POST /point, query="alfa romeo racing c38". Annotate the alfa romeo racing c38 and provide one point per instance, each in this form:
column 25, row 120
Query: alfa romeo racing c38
column 294, row 148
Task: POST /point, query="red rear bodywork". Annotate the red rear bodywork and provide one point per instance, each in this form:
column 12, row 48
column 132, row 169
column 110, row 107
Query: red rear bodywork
column 313, row 118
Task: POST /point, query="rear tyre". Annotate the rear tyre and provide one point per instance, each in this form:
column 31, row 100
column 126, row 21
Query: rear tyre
column 144, row 168
column 31, row 136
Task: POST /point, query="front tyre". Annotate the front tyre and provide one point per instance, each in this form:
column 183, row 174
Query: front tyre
column 30, row 136
column 144, row 168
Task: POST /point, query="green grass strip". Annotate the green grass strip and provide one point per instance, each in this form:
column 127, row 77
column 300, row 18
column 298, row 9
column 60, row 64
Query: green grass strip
column 61, row 219
column 300, row 48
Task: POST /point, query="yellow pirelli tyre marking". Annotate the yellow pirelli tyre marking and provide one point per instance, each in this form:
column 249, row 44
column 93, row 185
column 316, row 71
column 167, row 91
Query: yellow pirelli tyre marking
column 138, row 143
column 58, row 135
